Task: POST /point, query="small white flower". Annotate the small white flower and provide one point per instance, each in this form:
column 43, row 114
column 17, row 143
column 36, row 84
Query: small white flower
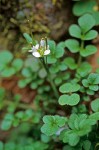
column 34, row 48
column 42, row 43
column 39, row 50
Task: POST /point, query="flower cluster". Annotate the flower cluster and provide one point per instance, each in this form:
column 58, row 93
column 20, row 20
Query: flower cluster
column 41, row 49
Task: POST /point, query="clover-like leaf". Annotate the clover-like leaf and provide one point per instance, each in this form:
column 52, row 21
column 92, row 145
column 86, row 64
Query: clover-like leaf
column 85, row 24
column 8, row 72
column 70, row 62
column 83, row 7
column 60, row 50
column 71, row 100
column 84, row 69
column 90, row 35
column 69, row 87
column 89, row 50
column 72, row 45
column 75, row 31
column 17, row 64
column 52, row 46
column 95, row 105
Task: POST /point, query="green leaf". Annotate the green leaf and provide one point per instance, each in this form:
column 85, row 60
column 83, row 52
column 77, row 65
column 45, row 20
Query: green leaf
column 60, row 50
column 51, row 59
column 8, row 72
column 75, row 31
column 69, row 100
column 69, row 87
column 86, row 145
column 17, row 64
column 90, row 35
column 83, row 7
column 95, row 105
column 22, row 83
column 85, row 83
column 71, row 120
column 94, row 87
column 7, row 122
column 52, row 46
column 73, row 139
column 85, row 24
column 5, row 57
column 28, row 38
column 72, row 45
column 90, row 92
column 52, row 124
column 94, row 116
column 1, row 146
column 89, row 50
column 93, row 78
column 42, row 73
column 84, row 69
column 70, row 62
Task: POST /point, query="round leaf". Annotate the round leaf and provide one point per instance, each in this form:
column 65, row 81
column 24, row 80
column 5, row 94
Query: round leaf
column 90, row 35
column 75, row 31
column 5, row 57
column 85, row 24
column 72, row 45
column 69, row 87
column 69, row 100
column 17, row 64
column 95, row 105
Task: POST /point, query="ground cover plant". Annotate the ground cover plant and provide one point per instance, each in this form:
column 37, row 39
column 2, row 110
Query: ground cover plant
column 64, row 112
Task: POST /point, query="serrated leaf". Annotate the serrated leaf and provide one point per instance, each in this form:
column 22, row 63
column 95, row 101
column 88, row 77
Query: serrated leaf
column 93, row 78
column 73, row 139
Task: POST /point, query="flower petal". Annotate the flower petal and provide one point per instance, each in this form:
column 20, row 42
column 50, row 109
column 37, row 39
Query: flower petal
column 36, row 54
column 36, row 46
column 30, row 50
column 33, row 48
column 42, row 43
column 46, row 52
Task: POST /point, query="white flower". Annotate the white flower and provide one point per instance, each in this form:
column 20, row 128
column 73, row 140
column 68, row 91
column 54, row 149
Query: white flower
column 34, row 48
column 39, row 50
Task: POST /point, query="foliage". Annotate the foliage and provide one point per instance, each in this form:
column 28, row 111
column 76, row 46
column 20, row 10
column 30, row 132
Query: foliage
column 66, row 93
column 89, row 6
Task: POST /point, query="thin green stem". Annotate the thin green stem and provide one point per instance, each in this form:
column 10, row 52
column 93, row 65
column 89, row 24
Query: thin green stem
column 50, row 78
column 80, row 57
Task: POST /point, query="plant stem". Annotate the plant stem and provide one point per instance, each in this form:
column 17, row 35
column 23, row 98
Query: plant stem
column 80, row 57
column 50, row 78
